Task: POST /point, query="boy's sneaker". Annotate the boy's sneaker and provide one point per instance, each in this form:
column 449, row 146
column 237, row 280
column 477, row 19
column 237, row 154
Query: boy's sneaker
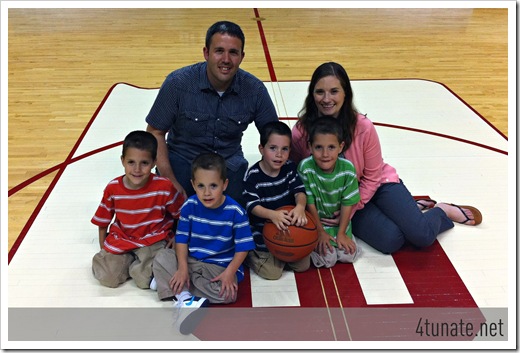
column 190, row 323
column 153, row 284
column 192, row 303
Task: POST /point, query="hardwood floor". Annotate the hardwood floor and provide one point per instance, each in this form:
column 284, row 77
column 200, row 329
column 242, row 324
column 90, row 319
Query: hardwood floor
column 61, row 62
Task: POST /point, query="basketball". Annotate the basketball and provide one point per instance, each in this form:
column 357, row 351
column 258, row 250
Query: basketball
column 294, row 243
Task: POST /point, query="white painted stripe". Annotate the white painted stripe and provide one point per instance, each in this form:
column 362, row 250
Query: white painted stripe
column 276, row 96
column 269, row 293
column 379, row 277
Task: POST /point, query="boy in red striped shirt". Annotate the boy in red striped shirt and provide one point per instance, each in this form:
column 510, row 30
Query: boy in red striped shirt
column 143, row 207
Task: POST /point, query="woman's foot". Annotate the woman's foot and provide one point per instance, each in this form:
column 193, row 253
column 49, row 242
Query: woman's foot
column 468, row 215
column 425, row 204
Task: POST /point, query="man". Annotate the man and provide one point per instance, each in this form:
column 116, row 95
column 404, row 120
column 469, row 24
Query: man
column 206, row 107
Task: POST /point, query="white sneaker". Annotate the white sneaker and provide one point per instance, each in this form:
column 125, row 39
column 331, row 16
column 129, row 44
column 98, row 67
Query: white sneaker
column 153, row 284
column 190, row 322
column 192, row 303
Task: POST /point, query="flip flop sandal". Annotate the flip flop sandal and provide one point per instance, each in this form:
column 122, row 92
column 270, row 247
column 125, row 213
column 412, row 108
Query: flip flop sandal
column 423, row 205
column 477, row 216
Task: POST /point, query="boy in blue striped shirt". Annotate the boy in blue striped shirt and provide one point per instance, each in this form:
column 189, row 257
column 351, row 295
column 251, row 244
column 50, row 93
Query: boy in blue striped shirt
column 212, row 240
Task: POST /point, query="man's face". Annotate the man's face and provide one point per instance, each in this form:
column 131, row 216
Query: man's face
column 223, row 56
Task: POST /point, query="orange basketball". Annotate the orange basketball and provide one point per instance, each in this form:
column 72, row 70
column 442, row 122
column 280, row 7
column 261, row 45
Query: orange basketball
column 294, row 243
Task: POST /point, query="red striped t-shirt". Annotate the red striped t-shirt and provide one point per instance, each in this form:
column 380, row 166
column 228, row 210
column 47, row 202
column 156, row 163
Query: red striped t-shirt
column 142, row 217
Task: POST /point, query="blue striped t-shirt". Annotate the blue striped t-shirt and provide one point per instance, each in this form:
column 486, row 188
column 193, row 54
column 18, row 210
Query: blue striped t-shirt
column 215, row 235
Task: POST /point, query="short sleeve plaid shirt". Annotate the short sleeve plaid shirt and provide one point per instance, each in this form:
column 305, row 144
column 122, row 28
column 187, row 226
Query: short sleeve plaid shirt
column 199, row 119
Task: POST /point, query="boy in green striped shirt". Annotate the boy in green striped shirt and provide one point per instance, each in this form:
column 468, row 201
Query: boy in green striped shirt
column 332, row 189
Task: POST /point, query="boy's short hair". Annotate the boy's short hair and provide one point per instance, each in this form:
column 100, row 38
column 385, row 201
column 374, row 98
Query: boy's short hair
column 274, row 127
column 142, row 140
column 326, row 125
column 209, row 161
column 225, row 27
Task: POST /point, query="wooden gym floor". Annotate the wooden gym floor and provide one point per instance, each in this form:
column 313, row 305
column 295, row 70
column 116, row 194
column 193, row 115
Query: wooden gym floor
column 62, row 63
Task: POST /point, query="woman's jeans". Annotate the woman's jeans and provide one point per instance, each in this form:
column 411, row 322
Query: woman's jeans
column 392, row 217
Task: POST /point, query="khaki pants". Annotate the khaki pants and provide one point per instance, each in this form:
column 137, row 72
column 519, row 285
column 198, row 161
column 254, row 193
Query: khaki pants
column 201, row 274
column 264, row 264
column 111, row 270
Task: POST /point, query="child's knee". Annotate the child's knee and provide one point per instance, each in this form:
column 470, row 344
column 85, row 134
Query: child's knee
column 143, row 283
column 164, row 258
column 108, row 281
column 301, row 265
column 347, row 257
column 109, row 269
column 328, row 260
column 264, row 265
column 269, row 273
column 141, row 273
column 107, row 278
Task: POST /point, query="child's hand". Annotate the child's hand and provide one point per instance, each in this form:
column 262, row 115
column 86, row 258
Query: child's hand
column 298, row 216
column 171, row 241
column 281, row 219
column 332, row 222
column 179, row 280
column 179, row 188
column 345, row 243
column 170, row 244
column 228, row 286
column 324, row 244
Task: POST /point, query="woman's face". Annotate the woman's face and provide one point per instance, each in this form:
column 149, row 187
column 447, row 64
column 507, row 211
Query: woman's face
column 329, row 96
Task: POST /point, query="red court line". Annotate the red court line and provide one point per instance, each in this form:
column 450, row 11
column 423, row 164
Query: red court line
column 431, row 278
column 473, row 110
column 264, row 44
column 436, row 82
column 33, row 216
column 244, row 298
column 68, row 161
column 309, row 287
column 61, row 168
column 433, row 133
column 443, row 136
column 69, row 158
column 61, row 165
column 428, row 274
column 32, row 179
column 348, row 286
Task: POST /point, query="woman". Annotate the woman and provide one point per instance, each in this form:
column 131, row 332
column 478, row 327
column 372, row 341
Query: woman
column 387, row 214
